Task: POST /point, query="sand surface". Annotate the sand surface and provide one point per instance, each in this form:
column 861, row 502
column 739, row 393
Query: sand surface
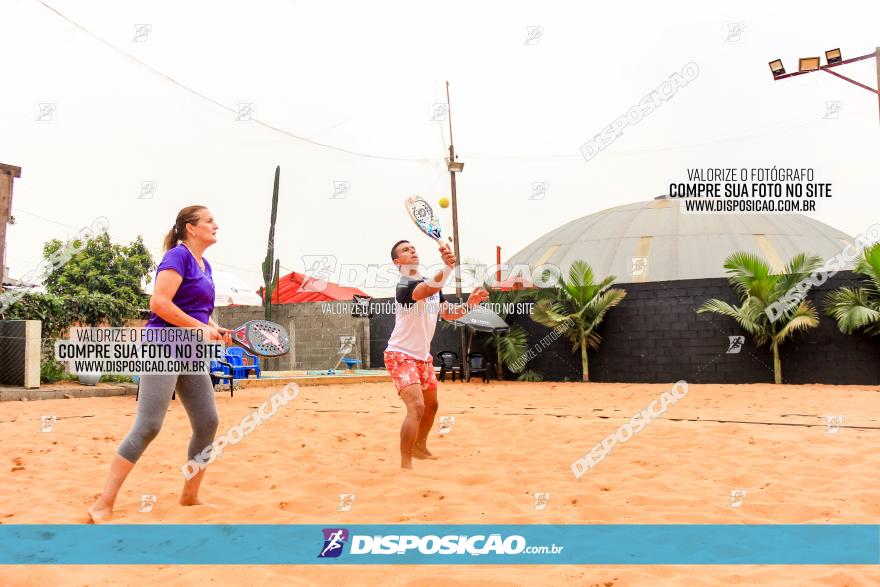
column 508, row 442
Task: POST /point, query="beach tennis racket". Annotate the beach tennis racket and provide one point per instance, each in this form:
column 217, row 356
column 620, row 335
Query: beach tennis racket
column 423, row 215
column 262, row 337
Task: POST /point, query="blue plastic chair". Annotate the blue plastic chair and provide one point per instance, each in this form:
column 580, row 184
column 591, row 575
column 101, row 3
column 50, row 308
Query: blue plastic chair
column 242, row 362
column 351, row 363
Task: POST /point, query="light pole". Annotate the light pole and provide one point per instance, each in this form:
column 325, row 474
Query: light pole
column 833, row 58
column 456, row 167
column 8, row 175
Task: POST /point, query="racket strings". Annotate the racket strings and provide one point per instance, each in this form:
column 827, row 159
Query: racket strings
column 268, row 338
column 424, row 216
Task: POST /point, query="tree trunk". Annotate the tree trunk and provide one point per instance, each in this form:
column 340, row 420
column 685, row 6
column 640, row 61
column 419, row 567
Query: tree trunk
column 777, row 365
column 584, row 364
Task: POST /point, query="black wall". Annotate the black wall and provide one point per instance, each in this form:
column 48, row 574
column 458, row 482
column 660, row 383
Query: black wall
column 12, row 352
column 381, row 325
column 656, row 336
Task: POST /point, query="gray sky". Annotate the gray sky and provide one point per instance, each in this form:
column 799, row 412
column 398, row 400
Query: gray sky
column 363, row 78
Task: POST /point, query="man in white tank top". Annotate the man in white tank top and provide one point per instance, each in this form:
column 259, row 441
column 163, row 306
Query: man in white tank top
column 408, row 359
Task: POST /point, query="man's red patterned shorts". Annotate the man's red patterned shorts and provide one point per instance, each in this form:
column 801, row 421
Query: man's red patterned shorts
column 406, row 370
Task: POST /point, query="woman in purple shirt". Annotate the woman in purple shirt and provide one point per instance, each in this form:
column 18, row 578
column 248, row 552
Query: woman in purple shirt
column 183, row 297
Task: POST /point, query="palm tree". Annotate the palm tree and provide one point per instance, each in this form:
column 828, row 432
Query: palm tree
column 859, row 308
column 759, row 289
column 579, row 306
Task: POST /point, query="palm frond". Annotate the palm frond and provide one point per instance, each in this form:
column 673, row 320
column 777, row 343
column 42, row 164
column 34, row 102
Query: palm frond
column 599, row 306
column 605, row 283
column 745, row 270
column 869, row 265
column 718, row 307
column 804, row 317
column 512, row 346
column 579, row 286
column 549, row 313
column 594, row 340
column 797, row 269
column 852, row 308
column 749, row 316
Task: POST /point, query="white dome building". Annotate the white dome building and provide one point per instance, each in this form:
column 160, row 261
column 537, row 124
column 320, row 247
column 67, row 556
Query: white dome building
column 654, row 241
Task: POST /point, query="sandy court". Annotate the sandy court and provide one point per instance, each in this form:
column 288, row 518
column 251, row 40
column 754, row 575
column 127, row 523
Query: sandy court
column 508, row 442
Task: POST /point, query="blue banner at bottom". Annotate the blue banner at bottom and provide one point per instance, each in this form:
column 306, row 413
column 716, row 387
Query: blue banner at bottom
column 656, row 544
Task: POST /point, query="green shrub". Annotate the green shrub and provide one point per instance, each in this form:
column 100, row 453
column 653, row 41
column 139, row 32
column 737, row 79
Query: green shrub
column 51, row 371
column 530, row 375
column 116, row 379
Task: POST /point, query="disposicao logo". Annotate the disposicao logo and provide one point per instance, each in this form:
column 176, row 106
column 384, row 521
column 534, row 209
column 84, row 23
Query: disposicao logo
column 334, row 540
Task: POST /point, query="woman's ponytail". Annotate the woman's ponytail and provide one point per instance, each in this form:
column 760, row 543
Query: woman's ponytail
column 189, row 215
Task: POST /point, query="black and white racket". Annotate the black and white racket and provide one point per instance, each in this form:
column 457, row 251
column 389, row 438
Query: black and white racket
column 423, row 215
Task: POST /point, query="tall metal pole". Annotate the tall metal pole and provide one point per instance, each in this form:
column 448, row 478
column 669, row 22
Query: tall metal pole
column 8, row 174
column 464, row 361
column 877, row 63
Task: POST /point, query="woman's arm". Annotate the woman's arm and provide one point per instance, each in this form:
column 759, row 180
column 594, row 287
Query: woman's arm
column 219, row 328
column 161, row 304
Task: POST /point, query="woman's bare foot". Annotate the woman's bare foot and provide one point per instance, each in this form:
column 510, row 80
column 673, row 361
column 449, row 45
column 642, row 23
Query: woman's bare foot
column 422, row 452
column 100, row 512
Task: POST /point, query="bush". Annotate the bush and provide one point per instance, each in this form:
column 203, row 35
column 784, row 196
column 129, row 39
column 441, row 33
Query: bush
column 101, row 267
column 51, row 371
column 116, row 379
column 530, row 375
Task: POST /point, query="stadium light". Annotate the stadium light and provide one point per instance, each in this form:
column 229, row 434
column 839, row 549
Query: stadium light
column 833, row 56
column 835, row 60
column 809, row 64
column 777, row 68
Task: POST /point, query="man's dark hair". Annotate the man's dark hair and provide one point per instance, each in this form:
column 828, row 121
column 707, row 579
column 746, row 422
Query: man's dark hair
column 394, row 249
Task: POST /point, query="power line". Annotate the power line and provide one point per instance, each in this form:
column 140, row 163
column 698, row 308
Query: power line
column 34, row 214
column 71, row 226
column 122, row 242
column 571, row 156
column 223, row 106
column 781, row 127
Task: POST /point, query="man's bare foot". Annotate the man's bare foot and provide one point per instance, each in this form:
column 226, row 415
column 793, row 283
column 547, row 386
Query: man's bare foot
column 422, row 452
column 188, row 501
column 100, row 513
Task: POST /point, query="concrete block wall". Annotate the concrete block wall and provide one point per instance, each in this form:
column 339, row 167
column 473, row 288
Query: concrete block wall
column 656, row 336
column 314, row 329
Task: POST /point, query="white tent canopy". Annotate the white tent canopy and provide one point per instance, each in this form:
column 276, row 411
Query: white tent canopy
column 229, row 290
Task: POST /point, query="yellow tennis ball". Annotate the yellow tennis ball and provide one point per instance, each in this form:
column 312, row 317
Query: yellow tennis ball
column 444, row 202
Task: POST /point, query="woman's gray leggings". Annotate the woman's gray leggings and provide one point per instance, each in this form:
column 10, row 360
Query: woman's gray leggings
column 197, row 396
